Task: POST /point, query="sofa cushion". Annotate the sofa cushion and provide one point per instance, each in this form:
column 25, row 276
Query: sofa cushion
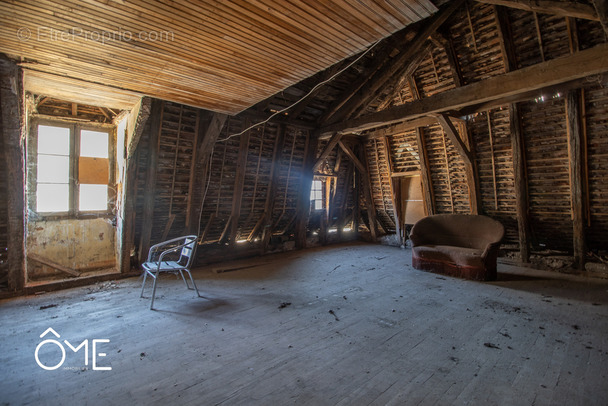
column 450, row 254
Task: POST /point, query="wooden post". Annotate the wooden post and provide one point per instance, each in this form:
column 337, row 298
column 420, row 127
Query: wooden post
column 156, row 117
column 425, row 174
column 575, row 152
column 129, row 186
column 11, row 94
column 303, row 204
column 239, row 182
column 209, row 130
column 521, row 193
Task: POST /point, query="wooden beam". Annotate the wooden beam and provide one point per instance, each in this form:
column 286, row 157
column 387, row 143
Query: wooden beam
column 303, row 204
column 576, row 169
column 532, row 94
column 381, row 59
column 126, row 217
column 53, row 264
column 150, row 186
column 601, row 8
column 141, row 113
column 452, row 133
column 559, row 70
column 521, row 193
column 554, row 7
column 425, row 173
column 405, row 126
column 468, row 158
column 349, row 152
column 378, row 80
column 11, row 125
column 505, row 38
column 207, row 135
column 327, row 150
column 239, row 182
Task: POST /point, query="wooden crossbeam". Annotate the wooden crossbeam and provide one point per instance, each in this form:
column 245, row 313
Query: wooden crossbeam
column 327, row 150
column 452, row 133
column 398, row 62
column 555, row 7
column 582, row 64
column 469, row 162
column 349, row 152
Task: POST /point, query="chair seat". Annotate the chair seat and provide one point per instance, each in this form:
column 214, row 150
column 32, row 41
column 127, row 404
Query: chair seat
column 164, row 266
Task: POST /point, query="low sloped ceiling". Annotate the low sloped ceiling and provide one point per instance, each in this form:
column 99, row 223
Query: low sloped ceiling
column 223, row 56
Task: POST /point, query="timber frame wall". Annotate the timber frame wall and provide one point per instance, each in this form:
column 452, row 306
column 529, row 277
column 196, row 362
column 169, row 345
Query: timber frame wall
column 502, row 111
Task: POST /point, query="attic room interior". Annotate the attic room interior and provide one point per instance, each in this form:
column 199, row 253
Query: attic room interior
column 308, row 147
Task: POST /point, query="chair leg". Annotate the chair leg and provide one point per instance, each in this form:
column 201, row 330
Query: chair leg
column 143, row 284
column 154, row 290
column 193, row 283
column 184, row 279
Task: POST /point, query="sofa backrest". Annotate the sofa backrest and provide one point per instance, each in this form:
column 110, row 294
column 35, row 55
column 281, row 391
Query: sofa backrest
column 461, row 230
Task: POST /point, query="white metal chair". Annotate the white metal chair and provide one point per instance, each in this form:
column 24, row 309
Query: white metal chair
column 156, row 263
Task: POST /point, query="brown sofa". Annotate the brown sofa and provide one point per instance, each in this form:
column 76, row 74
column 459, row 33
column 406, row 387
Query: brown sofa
column 461, row 245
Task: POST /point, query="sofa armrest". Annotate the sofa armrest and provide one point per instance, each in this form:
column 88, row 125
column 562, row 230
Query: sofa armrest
column 490, row 248
column 416, row 239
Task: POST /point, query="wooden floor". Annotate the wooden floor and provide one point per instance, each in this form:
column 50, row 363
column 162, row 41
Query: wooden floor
column 345, row 325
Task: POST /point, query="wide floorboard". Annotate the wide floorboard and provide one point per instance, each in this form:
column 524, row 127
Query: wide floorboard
column 350, row 324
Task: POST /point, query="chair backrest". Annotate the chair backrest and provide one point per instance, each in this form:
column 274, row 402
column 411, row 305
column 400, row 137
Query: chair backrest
column 187, row 254
column 462, row 230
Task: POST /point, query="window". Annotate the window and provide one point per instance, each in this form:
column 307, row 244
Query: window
column 316, row 195
column 72, row 170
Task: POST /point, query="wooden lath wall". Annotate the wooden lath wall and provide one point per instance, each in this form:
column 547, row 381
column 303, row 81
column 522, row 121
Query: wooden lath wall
column 379, row 173
column 596, row 124
column 492, row 139
column 245, row 192
column 474, row 34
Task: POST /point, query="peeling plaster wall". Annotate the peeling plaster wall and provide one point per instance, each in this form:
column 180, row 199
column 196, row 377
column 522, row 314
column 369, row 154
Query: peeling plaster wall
column 82, row 244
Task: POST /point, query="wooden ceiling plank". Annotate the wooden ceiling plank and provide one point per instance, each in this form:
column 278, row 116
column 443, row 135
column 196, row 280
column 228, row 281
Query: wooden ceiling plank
column 376, row 16
column 317, row 37
column 203, row 43
column 301, row 11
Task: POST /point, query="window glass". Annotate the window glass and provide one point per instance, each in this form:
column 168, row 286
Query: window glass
column 93, row 197
column 53, row 140
column 316, row 194
column 94, row 144
column 53, row 169
column 52, row 197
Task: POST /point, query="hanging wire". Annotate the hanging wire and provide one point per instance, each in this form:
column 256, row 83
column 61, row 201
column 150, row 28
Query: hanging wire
column 303, row 97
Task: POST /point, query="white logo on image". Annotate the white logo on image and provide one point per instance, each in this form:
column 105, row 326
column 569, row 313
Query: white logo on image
column 84, row 344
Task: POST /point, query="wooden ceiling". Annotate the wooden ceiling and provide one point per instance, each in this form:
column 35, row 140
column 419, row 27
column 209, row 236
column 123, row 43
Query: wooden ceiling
column 223, row 56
